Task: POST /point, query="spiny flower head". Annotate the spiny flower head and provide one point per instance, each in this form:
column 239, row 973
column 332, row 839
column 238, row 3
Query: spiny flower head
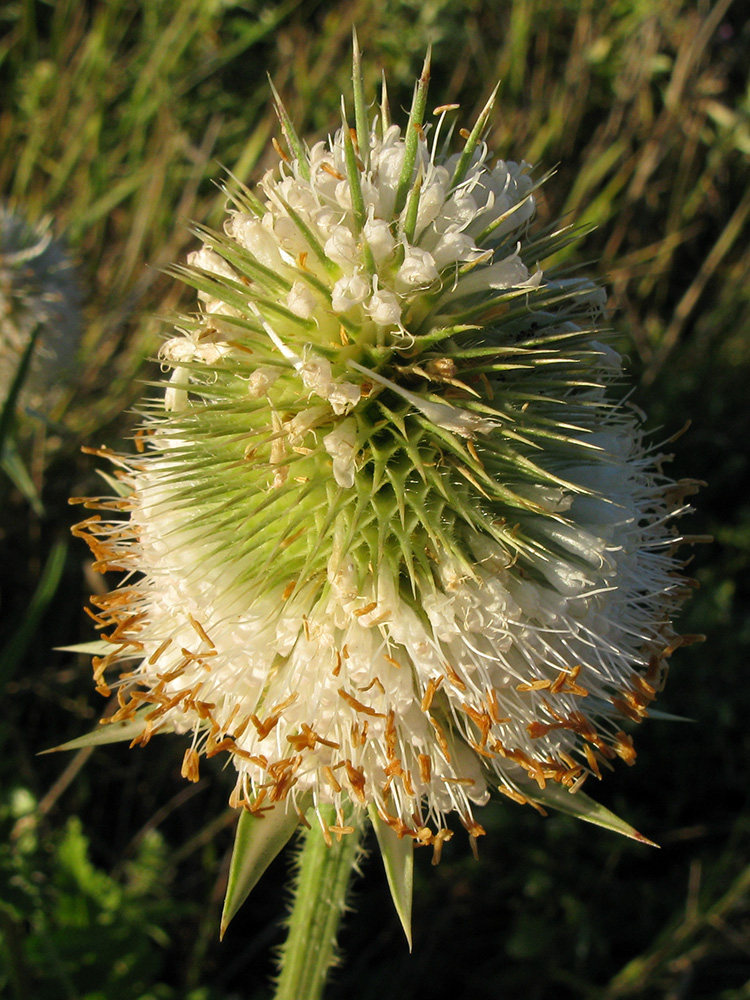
column 390, row 543
column 39, row 298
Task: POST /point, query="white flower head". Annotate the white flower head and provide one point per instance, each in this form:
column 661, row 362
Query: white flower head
column 390, row 543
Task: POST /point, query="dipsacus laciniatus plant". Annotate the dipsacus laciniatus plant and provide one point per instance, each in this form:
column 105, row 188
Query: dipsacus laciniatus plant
column 392, row 536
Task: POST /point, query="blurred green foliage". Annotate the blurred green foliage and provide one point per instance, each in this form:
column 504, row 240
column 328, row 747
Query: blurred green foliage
column 69, row 929
column 121, row 117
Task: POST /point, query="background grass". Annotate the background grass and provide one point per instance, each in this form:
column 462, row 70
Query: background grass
column 116, row 119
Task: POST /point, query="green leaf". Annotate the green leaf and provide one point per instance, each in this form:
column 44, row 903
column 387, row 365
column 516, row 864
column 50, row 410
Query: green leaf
column 582, row 807
column 257, row 842
column 398, row 861
column 111, row 732
column 73, row 858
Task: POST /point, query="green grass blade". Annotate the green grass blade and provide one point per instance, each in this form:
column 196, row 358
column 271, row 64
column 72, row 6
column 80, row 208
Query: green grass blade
column 17, row 472
column 45, row 591
column 9, row 408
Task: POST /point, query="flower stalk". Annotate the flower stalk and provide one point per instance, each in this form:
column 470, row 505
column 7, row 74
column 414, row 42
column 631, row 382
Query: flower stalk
column 325, row 866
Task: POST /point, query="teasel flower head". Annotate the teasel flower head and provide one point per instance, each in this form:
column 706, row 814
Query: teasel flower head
column 393, row 538
column 40, row 310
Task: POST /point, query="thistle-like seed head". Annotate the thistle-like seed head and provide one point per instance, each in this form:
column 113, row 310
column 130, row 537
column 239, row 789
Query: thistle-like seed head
column 393, row 536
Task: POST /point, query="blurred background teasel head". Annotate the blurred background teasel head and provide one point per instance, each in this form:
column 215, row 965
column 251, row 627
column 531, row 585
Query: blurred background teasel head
column 40, row 310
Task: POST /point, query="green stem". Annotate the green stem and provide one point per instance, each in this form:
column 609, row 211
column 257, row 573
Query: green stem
column 317, row 907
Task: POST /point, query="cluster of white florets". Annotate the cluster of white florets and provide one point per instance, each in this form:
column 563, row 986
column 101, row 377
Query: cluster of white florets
column 447, row 220
column 374, row 274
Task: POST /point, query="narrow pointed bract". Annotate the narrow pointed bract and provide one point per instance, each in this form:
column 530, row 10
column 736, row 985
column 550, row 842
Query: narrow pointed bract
column 393, row 538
